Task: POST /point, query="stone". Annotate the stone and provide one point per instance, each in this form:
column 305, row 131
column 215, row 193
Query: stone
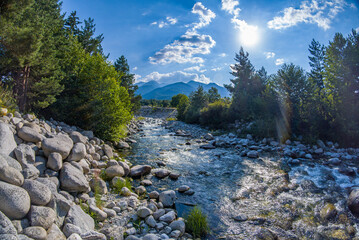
column 175, row 234
column 114, row 171
column 107, row 150
column 42, row 216
column 252, row 154
column 143, row 212
column 54, row 161
column 12, row 237
column 122, row 145
column 11, row 175
column 4, row 159
column 189, row 192
column 151, row 221
column 174, row 176
column 168, row 217
column 6, row 226
column 125, row 167
column 328, row 212
column 74, row 236
column 150, row 236
column 7, row 140
column 15, row 201
column 78, row 137
column 40, row 164
column 207, row 146
column 99, row 185
column 334, row 161
column 37, row 233
column 159, row 213
column 70, row 229
column 25, row 154
column 183, row 188
column 161, row 173
column 208, row 137
column 178, row 225
column 140, row 190
column 167, row 198
column 240, row 218
column 30, row 172
column 54, row 233
column 153, row 195
column 125, row 191
column 93, row 235
column 29, row 135
column 78, row 152
column 146, row 182
column 79, row 218
column 100, row 215
column 60, row 143
column 72, row 179
column 140, row 170
column 347, row 171
column 353, row 202
column 84, row 165
column 110, row 213
column 88, row 134
column 39, row 193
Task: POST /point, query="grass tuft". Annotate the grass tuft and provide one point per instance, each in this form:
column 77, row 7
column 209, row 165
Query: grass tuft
column 119, row 184
column 196, row 223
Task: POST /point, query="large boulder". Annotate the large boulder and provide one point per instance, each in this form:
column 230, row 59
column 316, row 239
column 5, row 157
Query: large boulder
column 78, row 152
column 353, row 202
column 167, row 198
column 78, row 137
column 178, row 225
column 11, row 175
column 10, row 161
column 7, row 141
column 25, row 154
column 125, row 167
column 38, row 233
column 29, row 135
column 72, row 179
column 60, row 143
column 54, row 233
column 99, row 185
column 161, row 173
column 6, row 226
column 114, row 171
column 54, row 161
column 42, row 216
column 15, row 201
column 79, row 218
column 107, row 150
column 140, row 170
column 39, row 193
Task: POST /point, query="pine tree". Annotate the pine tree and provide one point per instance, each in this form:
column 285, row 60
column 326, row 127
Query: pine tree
column 213, row 95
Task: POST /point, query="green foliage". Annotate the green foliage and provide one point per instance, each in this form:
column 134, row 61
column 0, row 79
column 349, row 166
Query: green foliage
column 170, row 119
column 99, row 202
column 196, row 223
column 104, row 176
column 6, row 99
column 182, row 107
column 213, row 95
column 215, row 114
column 198, row 100
column 119, row 184
column 176, row 99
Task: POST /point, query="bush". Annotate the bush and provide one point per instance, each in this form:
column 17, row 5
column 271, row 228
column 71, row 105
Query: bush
column 7, row 99
column 117, row 187
column 196, row 223
column 215, row 114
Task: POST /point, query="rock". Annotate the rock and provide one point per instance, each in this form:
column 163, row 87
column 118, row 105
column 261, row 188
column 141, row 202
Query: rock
column 174, row 176
column 240, row 218
column 151, row 221
column 175, row 234
column 40, row 164
column 178, row 225
column 6, row 226
column 37, row 233
column 70, row 229
column 107, row 150
column 167, row 198
column 334, row 161
column 78, row 152
column 168, row 217
column 54, row 233
column 93, row 235
column 328, row 212
column 183, row 188
column 10, row 175
column 125, row 191
column 114, row 171
column 150, row 236
column 252, row 154
column 347, row 171
column 15, row 201
column 146, row 182
column 189, row 192
column 100, row 215
column 4, row 159
column 72, row 179
column 122, row 145
column 153, row 195
column 78, row 137
column 159, row 213
column 143, row 212
column 319, row 151
column 110, row 213
column 140, row 190
column 207, row 146
column 39, row 193
column 125, row 167
column 79, row 218
column 161, row 173
column 74, row 236
column 42, row 216
column 54, row 161
column 208, row 137
column 30, row 172
column 24, row 154
column 265, row 234
column 7, row 140
column 99, row 184
column 353, row 202
column 60, row 143
column 88, row 134
column 139, row 171
column 29, row 135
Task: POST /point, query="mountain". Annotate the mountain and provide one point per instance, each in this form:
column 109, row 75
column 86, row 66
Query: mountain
column 154, row 90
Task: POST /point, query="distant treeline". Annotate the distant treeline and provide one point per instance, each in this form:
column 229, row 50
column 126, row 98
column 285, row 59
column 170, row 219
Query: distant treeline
column 320, row 104
column 55, row 66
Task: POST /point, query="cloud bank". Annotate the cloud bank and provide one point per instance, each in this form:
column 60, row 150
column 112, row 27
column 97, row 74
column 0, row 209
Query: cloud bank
column 173, row 77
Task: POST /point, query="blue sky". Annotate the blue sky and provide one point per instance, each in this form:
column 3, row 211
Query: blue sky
column 183, row 40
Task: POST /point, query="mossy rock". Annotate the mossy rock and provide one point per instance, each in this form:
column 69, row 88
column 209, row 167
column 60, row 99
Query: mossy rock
column 328, row 212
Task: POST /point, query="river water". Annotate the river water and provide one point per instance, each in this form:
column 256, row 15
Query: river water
column 246, row 198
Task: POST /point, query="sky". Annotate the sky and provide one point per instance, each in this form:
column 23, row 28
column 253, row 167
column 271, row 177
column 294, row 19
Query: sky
column 182, row 40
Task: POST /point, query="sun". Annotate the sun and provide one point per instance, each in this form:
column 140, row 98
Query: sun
column 249, row 36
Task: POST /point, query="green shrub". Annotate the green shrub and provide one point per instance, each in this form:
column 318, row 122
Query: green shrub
column 7, row 99
column 215, row 114
column 170, row 119
column 196, row 223
column 119, row 184
column 99, row 202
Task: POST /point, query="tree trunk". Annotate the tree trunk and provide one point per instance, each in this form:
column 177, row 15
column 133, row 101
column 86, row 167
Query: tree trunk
column 22, row 88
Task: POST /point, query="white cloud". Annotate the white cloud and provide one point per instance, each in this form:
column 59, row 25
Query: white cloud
column 134, row 69
column 137, row 77
column 279, row 61
column 231, row 7
column 314, row 12
column 190, row 44
column 172, row 77
column 222, row 55
column 195, row 68
column 269, row 54
column 216, row 69
column 357, row 29
column 168, row 21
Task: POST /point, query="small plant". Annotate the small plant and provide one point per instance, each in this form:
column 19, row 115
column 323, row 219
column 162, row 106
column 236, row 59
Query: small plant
column 104, row 176
column 7, row 99
column 140, row 118
column 84, row 207
column 119, row 184
column 196, row 223
column 171, row 119
column 99, row 202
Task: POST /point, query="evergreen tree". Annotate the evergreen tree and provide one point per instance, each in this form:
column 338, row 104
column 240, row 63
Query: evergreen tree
column 213, row 95
column 198, row 100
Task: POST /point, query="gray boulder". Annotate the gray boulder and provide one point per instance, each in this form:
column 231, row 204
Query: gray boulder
column 15, row 201
column 252, row 154
column 70, row 229
column 178, row 225
column 60, row 143
column 78, row 137
column 125, row 167
column 140, row 170
column 37, row 233
column 167, row 198
column 78, row 152
column 93, row 235
column 39, row 193
column 122, row 145
column 353, row 202
column 114, row 171
column 143, row 212
column 161, row 173
column 54, row 161
column 25, row 154
column 99, row 184
column 7, row 140
column 29, row 135
column 107, row 150
column 9, row 174
column 150, row 236
column 42, row 216
column 168, row 217
column 100, row 215
column 54, row 233
column 78, row 217
column 6, row 226
column 10, row 161
column 72, row 179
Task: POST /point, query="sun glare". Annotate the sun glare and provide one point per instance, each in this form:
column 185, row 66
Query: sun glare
column 249, row 36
